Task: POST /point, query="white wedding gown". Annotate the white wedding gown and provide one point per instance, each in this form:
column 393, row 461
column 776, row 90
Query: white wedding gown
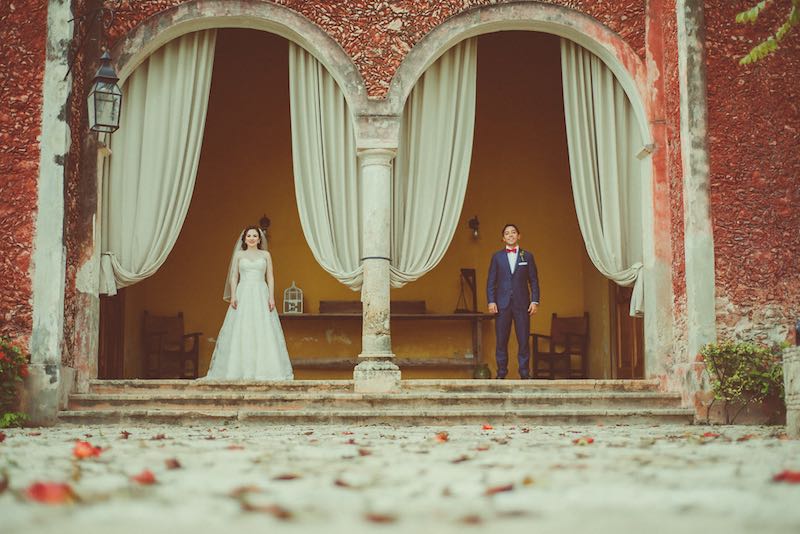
column 250, row 344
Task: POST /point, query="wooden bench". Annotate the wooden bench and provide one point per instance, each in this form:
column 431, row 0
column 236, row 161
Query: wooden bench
column 403, row 310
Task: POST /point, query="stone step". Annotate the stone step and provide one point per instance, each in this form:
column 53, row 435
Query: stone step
column 226, row 399
column 428, row 416
column 128, row 385
column 438, row 385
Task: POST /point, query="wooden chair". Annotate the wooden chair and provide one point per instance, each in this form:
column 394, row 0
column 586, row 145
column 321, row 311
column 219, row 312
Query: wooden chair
column 165, row 347
column 568, row 341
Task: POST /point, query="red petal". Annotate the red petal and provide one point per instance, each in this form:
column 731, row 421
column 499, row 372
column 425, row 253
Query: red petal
column 146, row 477
column 50, row 492
column 789, row 476
column 499, row 489
column 488, row 427
column 84, row 449
column 380, row 518
column 441, row 437
column 710, row 435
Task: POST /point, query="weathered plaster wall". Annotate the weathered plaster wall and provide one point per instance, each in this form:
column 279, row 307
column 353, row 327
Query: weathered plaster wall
column 23, row 35
column 379, row 34
column 754, row 117
column 81, row 187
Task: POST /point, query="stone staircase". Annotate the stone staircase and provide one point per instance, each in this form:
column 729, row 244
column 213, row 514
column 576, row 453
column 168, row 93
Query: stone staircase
column 420, row 402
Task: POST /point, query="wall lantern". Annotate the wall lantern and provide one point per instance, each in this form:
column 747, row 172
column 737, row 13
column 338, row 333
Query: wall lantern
column 105, row 98
column 474, row 225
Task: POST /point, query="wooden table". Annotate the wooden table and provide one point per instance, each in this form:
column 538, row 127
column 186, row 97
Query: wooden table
column 475, row 320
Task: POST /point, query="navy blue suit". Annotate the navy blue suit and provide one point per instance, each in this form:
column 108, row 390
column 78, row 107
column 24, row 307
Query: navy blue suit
column 513, row 294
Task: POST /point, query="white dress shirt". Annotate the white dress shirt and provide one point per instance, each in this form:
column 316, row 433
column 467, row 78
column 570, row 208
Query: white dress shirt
column 512, row 259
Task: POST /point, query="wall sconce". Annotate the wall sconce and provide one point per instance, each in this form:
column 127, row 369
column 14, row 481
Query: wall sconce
column 104, row 100
column 474, row 225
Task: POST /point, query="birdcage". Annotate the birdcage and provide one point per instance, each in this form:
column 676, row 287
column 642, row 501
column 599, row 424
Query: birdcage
column 293, row 299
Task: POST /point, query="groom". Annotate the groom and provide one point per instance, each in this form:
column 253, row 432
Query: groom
column 510, row 272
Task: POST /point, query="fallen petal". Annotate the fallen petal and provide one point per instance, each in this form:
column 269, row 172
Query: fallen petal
column 145, row 478
column 279, row 512
column 441, row 437
column 499, row 489
column 788, row 476
column 50, row 493
column 488, row 427
column 172, row 463
column 84, row 449
column 380, row 518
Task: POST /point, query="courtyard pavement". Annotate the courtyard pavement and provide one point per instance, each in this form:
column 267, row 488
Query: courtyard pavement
column 336, row 479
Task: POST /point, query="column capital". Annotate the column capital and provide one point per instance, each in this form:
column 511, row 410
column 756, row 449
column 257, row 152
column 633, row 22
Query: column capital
column 376, row 156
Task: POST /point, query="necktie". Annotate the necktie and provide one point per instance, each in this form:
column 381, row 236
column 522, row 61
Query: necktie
column 511, row 250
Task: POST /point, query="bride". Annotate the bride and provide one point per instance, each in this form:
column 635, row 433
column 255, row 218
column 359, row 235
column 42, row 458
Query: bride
column 250, row 344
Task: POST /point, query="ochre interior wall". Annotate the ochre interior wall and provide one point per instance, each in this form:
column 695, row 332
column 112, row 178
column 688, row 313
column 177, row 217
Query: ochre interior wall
column 519, row 173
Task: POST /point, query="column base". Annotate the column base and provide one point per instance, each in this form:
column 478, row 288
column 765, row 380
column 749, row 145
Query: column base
column 41, row 395
column 376, row 375
column 791, row 378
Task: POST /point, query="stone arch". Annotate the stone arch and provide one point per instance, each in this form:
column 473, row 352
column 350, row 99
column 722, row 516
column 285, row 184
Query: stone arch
column 153, row 33
column 623, row 61
column 633, row 74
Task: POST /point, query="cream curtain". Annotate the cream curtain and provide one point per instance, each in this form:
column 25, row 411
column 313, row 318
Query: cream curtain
column 603, row 139
column 430, row 173
column 432, row 164
column 325, row 168
column 148, row 180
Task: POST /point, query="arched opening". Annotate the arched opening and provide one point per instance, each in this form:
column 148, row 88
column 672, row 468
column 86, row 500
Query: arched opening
column 520, row 173
column 245, row 172
column 639, row 82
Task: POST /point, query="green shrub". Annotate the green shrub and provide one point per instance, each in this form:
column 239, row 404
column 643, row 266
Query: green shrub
column 13, row 370
column 743, row 373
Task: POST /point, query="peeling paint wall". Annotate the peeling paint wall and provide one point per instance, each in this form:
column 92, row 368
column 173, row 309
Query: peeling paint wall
column 754, row 117
column 23, row 36
column 379, row 34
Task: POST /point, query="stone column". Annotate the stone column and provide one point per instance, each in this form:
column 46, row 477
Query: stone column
column 791, row 382
column 46, row 384
column 376, row 371
column 698, row 236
